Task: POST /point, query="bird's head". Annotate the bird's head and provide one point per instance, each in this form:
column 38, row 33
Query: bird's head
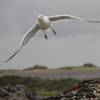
column 40, row 17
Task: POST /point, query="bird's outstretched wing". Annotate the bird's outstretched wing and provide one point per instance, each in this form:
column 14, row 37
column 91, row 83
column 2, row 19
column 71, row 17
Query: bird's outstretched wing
column 63, row 17
column 25, row 40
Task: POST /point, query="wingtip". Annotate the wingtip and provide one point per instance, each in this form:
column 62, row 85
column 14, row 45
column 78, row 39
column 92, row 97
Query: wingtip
column 94, row 21
column 2, row 63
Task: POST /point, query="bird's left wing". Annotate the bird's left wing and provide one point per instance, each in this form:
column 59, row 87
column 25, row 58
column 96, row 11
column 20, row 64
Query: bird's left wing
column 63, row 17
column 25, row 40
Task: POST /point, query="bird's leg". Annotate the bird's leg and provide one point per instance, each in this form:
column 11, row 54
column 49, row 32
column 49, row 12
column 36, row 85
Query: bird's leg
column 45, row 35
column 53, row 30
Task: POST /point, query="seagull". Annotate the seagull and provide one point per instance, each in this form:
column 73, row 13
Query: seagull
column 43, row 23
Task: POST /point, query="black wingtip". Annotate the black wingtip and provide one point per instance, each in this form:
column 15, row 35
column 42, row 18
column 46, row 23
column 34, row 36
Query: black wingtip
column 6, row 61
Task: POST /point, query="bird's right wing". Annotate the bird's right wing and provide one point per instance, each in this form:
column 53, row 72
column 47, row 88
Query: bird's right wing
column 25, row 40
column 29, row 35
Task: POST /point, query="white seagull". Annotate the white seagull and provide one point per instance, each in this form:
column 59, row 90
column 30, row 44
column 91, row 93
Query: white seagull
column 43, row 23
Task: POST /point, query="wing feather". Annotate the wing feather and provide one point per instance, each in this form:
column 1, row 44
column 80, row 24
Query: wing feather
column 25, row 40
column 29, row 35
column 63, row 17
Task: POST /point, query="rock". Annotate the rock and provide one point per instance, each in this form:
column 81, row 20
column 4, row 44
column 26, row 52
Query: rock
column 85, row 90
column 13, row 93
column 34, row 96
column 3, row 93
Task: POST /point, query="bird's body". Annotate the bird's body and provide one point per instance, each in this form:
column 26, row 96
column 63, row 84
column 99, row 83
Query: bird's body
column 43, row 23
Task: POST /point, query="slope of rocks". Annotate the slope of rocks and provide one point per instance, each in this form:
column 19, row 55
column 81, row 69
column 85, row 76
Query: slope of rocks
column 85, row 90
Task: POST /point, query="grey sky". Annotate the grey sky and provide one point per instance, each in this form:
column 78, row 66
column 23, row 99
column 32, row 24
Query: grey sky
column 75, row 43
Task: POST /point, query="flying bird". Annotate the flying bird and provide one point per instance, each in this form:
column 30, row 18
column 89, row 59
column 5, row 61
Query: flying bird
column 43, row 23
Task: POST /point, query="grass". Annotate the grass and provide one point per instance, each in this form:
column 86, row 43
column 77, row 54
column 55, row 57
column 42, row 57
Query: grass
column 48, row 93
column 78, row 69
column 45, row 87
column 37, row 84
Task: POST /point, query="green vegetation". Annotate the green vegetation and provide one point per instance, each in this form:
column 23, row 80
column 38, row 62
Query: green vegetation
column 38, row 84
column 39, row 67
column 45, row 87
column 36, row 67
column 48, row 93
column 68, row 67
column 89, row 65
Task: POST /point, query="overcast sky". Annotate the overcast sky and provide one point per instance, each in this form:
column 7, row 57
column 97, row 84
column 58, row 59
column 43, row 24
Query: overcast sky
column 75, row 44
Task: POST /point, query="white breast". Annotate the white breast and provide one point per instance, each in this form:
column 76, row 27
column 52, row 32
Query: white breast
column 44, row 23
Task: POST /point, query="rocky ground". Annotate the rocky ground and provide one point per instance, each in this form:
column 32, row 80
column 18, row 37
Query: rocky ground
column 85, row 90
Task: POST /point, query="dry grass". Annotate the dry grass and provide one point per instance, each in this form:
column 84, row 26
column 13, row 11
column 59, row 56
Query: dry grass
column 77, row 72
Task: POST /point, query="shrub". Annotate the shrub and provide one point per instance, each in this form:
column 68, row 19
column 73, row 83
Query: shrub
column 89, row 65
column 36, row 67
